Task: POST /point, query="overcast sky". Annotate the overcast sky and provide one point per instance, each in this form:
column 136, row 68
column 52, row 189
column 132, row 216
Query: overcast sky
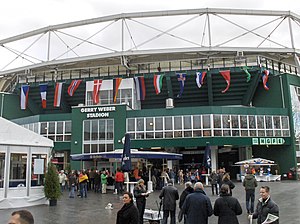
column 18, row 16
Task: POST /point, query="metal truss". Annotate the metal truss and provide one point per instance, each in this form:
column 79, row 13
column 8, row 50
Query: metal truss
column 133, row 39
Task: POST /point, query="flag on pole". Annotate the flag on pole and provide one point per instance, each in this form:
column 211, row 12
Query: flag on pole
column 97, row 86
column 207, row 156
column 157, row 81
column 181, row 79
column 245, row 69
column 57, row 94
column 140, row 87
column 24, row 96
column 43, row 91
column 116, row 85
column 226, row 76
column 200, row 78
column 265, row 77
column 73, row 86
column 126, row 156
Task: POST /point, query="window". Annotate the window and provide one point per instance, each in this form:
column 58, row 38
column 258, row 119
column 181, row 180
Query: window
column 2, row 165
column 18, row 165
column 98, row 135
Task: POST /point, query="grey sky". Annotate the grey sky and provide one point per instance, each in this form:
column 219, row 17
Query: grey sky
column 18, row 16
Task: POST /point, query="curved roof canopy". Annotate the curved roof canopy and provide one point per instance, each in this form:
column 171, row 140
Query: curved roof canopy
column 117, row 154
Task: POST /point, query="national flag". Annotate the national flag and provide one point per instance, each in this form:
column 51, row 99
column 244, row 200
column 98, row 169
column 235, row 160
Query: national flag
column 57, row 94
column 157, row 81
column 200, row 78
column 97, row 86
column 207, row 156
column 245, row 69
column 73, row 86
column 43, row 91
column 140, row 87
column 265, row 77
column 126, row 156
column 226, row 76
column 24, row 96
column 116, row 85
column 181, row 79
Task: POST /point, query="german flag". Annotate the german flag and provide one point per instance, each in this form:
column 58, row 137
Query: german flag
column 116, row 85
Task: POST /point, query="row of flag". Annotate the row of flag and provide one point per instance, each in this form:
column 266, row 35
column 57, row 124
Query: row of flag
column 139, row 86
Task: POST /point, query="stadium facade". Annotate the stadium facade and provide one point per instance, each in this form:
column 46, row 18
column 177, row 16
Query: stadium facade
column 221, row 86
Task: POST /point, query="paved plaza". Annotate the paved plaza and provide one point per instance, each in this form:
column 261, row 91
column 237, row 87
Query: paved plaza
column 91, row 210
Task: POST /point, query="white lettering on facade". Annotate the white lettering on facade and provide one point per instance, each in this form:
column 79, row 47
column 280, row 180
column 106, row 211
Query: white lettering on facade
column 96, row 109
column 95, row 115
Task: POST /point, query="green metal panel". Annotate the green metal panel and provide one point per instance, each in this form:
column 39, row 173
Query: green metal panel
column 11, row 107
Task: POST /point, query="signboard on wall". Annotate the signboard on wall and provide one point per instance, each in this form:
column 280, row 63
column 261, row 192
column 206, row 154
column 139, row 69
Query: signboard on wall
column 38, row 167
column 268, row 141
column 97, row 112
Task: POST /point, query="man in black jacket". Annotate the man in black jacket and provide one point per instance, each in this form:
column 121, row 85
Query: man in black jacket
column 265, row 206
column 188, row 190
column 197, row 206
column 169, row 195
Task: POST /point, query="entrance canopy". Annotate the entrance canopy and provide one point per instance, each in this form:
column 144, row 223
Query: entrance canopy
column 117, row 154
column 256, row 162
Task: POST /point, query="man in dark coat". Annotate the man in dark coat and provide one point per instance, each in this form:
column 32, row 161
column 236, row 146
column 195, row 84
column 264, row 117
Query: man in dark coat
column 169, row 195
column 250, row 184
column 265, row 206
column 188, row 190
column 227, row 207
column 197, row 206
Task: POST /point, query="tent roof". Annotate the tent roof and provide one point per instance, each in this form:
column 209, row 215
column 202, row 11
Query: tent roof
column 13, row 134
column 256, row 161
column 134, row 154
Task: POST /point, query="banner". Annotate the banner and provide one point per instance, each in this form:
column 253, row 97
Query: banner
column 181, row 79
column 24, row 96
column 226, row 76
column 97, row 86
column 73, row 86
column 200, row 78
column 157, row 82
column 57, row 94
column 265, row 77
column 207, row 156
column 116, row 85
column 126, row 157
column 43, row 91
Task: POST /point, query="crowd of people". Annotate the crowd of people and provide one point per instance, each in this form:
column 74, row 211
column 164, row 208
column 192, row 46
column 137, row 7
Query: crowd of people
column 194, row 203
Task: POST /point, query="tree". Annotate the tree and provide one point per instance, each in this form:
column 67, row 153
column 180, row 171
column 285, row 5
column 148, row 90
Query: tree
column 51, row 187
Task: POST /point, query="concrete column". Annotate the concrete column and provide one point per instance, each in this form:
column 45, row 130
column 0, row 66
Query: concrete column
column 214, row 157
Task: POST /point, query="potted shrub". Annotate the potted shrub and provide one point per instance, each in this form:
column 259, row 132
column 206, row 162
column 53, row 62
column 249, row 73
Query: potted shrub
column 51, row 186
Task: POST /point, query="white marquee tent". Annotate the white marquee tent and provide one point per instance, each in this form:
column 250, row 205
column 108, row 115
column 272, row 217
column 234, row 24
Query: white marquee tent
column 23, row 160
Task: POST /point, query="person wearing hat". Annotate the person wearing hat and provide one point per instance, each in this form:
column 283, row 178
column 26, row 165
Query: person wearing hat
column 140, row 194
column 169, row 195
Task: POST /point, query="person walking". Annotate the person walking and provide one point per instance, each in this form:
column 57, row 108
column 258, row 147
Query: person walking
column 83, row 180
column 214, row 182
column 227, row 207
column 62, row 180
column 226, row 180
column 188, row 190
column 128, row 214
column 140, row 194
column 169, row 195
column 250, row 184
column 21, row 217
column 72, row 183
column 104, row 181
column 119, row 178
column 265, row 206
column 197, row 206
